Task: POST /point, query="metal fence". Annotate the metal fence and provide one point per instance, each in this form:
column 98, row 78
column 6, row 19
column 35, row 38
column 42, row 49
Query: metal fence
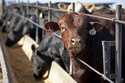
column 118, row 39
column 7, row 73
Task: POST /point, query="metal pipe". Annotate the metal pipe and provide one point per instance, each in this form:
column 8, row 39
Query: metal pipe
column 90, row 15
column 106, row 46
column 7, row 72
column 37, row 20
column 36, row 24
column 102, row 75
column 49, row 11
column 118, row 39
column 2, row 7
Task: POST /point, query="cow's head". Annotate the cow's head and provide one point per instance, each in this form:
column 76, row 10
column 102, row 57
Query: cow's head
column 73, row 30
column 21, row 28
column 40, row 66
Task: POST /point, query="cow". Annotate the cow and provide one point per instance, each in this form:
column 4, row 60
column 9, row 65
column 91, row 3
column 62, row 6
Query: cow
column 18, row 28
column 82, row 37
column 78, row 7
column 111, row 28
column 23, row 27
column 5, row 18
column 50, row 49
column 33, row 31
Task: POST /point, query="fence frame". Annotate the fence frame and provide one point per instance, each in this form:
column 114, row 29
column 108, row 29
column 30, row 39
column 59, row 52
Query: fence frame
column 118, row 37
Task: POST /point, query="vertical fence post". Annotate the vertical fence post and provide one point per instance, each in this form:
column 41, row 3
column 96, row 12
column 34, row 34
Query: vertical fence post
column 28, row 7
column 37, row 20
column 106, row 58
column 106, row 47
column 118, row 39
column 73, row 8
column 2, row 7
column 49, row 11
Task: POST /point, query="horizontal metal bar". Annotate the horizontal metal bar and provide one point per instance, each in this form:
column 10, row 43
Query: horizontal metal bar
column 36, row 24
column 102, row 75
column 105, row 18
column 90, row 15
column 108, row 43
column 45, row 8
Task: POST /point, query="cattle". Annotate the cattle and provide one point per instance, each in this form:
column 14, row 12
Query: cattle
column 18, row 27
column 50, row 49
column 78, row 7
column 82, row 37
column 23, row 27
column 33, row 31
column 111, row 28
column 5, row 19
column 72, row 33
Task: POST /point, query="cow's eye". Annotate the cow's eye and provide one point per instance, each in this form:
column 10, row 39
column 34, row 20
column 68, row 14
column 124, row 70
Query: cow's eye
column 63, row 29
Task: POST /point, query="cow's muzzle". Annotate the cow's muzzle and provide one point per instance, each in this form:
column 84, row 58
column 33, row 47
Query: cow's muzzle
column 75, row 45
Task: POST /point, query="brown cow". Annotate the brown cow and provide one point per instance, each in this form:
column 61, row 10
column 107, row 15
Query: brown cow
column 74, row 35
column 80, row 42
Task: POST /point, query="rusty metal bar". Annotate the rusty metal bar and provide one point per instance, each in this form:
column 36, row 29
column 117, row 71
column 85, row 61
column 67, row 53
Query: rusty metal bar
column 118, row 39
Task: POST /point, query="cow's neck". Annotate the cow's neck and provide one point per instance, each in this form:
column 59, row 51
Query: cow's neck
column 75, row 69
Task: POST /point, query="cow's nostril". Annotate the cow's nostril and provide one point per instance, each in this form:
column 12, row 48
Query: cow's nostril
column 73, row 41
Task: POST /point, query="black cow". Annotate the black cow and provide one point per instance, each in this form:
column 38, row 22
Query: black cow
column 50, row 49
column 22, row 27
column 5, row 18
column 111, row 28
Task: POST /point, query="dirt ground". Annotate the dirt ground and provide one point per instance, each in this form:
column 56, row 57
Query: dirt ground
column 21, row 66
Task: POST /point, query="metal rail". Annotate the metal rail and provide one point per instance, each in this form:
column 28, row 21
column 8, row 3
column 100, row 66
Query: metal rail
column 106, row 78
column 36, row 24
column 116, row 20
column 105, row 18
column 3, row 66
column 106, row 47
column 90, row 15
column 46, row 8
column 8, row 75
column 102, row 75
column 118, row 44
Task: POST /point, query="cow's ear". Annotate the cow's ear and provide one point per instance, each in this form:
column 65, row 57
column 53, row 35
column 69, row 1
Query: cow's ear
column 96, row 27
column 33, row 47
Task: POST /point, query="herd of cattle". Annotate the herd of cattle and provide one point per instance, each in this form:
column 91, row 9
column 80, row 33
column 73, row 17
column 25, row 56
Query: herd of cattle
column 81, row 38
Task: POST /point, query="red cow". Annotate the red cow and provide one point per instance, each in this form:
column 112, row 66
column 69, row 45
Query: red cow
column 84, row 43
column 74, row 35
